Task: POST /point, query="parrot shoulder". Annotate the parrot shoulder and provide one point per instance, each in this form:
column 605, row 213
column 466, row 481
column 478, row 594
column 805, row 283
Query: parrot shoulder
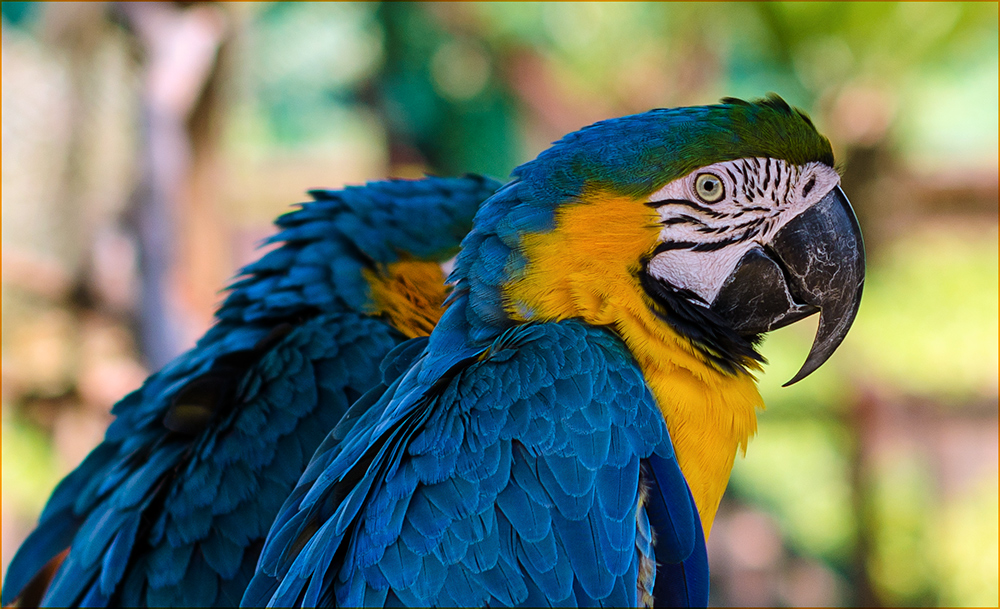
column 512, row 477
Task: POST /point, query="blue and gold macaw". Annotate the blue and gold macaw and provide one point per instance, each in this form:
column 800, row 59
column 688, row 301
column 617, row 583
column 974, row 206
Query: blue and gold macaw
column 565, row 434
column 172, row 508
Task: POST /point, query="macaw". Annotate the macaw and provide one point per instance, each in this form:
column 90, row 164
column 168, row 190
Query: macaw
column 172, row 508
column 565, row 434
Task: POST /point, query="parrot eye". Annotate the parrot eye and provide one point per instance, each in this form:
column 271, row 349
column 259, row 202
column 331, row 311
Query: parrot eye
column 709, row 188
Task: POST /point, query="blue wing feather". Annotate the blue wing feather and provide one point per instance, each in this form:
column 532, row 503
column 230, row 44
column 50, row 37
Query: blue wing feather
column 685, row 583
column 524, row 523
column 43, row 544
column 670, row 509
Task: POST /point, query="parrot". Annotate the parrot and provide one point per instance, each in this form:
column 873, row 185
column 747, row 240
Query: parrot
column 564, row 435
column 172, row 508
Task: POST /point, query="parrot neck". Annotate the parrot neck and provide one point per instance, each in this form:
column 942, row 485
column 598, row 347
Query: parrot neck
column 409, row 293
column 587, row 268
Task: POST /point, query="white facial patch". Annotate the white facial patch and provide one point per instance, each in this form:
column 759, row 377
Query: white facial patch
column 701, row 242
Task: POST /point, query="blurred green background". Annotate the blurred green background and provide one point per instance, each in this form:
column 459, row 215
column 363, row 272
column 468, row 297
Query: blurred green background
column 873, row 482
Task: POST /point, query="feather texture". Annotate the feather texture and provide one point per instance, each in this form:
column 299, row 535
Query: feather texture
column 519, row 455
column 172, row 508
column 534, row 517
column 524, row 457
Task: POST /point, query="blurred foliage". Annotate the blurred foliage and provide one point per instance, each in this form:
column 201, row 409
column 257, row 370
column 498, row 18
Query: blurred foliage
column 968, row 528
column 295, row 74
column 339, row 71
column 850, row 462
column 902, row 503
column 811, row 496
column 311, row 59
column 29, row 469
column 930, row 300
column 19, row 14
column 440, row 92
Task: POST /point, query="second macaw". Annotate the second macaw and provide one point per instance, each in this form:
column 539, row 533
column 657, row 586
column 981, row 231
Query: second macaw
column 565, row 435
column 171, row 509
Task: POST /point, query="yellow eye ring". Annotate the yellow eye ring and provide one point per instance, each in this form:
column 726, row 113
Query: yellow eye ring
column 709, row 188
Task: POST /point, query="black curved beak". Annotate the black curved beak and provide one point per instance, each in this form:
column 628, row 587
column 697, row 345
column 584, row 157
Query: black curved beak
column 816, row 262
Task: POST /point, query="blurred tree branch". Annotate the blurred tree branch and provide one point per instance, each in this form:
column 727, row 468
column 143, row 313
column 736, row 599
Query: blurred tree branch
column 180, row 47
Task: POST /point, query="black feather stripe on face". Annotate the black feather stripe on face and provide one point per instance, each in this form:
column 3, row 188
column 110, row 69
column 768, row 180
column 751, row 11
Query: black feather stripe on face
column 708, row 332
column 708, row 211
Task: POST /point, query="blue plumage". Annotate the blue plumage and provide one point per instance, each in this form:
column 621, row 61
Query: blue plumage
column 532, row 519
column 515, row 457
column 172, row 508
column 670, row 509
column 684, row 583
column 507, row 465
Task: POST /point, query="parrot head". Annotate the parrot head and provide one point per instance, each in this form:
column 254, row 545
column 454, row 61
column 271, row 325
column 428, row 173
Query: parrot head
column 689, row 232
column 762, row 243
column 748, row 226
